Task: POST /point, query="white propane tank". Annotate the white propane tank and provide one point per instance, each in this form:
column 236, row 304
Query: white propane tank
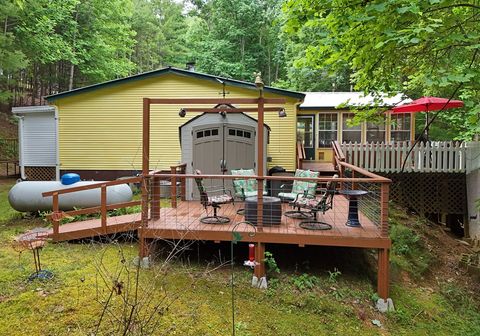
column 27, row 196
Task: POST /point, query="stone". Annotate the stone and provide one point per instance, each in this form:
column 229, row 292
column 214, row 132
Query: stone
column 259, row 283
column 384, row 306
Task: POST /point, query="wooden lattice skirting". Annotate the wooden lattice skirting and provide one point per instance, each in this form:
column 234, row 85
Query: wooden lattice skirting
column 40, row 173
column 434, row 193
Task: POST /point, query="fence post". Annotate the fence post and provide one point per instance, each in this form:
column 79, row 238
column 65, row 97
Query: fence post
column 173, row 187
column 384, row 195
column 155, row 198
column 55, row 216
column 103, row 205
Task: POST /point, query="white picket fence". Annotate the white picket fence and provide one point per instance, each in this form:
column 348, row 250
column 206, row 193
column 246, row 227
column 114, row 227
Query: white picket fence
column 431, row 157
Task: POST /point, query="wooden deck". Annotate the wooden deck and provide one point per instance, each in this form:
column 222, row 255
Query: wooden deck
column 183, row 222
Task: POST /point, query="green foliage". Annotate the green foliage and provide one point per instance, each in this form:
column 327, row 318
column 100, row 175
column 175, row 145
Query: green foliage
column 305, row 281
column 334, row 275
column 236, row 38
column 271, row 263
column 408, row 251
column 416, row 47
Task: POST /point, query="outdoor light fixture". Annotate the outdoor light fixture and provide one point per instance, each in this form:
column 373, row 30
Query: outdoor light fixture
column 182, row 113
column 258, row 80
column 282, row 113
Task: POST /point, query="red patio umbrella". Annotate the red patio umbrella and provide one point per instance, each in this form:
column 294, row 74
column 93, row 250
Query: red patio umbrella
column 427, row 104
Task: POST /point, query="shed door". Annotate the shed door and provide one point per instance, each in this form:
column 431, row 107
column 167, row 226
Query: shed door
column 208, row 149
column 219, row 148
column 239, row 147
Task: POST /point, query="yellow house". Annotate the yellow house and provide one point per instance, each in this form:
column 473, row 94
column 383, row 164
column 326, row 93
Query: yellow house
column 100, row 126
column 96, row 130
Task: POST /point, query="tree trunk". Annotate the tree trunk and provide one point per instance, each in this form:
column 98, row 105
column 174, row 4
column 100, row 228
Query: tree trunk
column 70, row 81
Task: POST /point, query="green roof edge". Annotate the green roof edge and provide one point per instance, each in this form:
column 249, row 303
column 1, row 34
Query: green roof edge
column 164, row 71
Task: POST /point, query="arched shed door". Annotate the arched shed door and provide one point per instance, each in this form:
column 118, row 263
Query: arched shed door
column 219, row 148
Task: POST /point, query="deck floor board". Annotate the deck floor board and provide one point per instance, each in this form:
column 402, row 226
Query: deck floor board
column 184, row 221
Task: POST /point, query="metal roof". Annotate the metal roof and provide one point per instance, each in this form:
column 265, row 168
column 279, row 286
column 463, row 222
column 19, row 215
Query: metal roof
column 33, row 109
column 181, row 72
column 333, row 99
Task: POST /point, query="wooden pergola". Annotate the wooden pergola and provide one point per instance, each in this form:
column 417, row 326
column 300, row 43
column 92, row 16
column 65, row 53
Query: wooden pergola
column 222, row 107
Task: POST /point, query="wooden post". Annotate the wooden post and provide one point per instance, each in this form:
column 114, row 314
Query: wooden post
column 183, row 183
column 173, row 187
column 145, row 167
column 103, row 206
column 155, row 199
column 383, row 276
column 260, row 167
column 384, row 195
column 259, row 270
column 55, row 219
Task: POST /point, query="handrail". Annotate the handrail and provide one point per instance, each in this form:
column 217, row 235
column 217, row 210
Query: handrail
column 57, row 215
column 378, row 179
column 338, row 151
column 92, row 186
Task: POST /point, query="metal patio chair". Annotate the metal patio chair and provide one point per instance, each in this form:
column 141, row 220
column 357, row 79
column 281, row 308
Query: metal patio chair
column 316, row 205
column 244, row 188
column 221, row 196
column 300, row 188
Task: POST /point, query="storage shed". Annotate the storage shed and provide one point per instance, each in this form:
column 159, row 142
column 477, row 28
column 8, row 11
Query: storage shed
column 38, row 142
column 216, row 143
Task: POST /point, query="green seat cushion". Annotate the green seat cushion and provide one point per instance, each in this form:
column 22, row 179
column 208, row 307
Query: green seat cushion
column 299, row 187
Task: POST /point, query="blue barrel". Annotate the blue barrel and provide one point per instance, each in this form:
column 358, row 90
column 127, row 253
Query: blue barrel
column 69, row 178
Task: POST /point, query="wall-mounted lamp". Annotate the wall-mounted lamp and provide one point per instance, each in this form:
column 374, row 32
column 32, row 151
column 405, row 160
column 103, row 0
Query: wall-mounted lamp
column 282, row 113
column 182, row 113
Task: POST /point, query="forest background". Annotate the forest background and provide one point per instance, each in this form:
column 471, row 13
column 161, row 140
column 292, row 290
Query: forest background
column 419, row 47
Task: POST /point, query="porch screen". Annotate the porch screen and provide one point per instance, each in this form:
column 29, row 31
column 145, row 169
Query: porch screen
column 327, row 129
column 400, row 127
column 376, row 131
column 350, row 133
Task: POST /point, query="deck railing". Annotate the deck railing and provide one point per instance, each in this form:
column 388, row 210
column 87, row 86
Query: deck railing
column 57, row 215
column 354, row 172
column 395, row 157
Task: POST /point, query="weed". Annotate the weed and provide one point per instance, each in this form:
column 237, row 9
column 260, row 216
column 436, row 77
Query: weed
column 456, row 296
column 271, row 263
column 334, row 275
column 305, row 281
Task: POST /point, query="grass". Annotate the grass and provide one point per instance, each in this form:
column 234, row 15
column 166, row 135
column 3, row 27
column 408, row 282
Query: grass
column 192, row 300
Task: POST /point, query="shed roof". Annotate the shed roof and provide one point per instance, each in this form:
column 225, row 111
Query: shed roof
column 180, row 72
column 33, row 109
column 333, row 99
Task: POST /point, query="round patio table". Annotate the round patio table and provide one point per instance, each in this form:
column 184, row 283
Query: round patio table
column 353, row 196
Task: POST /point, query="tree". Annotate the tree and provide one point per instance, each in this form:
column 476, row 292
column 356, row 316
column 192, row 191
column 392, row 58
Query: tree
column 419, row 47
column 235, row 38
column 11, row 59
column 160, row 28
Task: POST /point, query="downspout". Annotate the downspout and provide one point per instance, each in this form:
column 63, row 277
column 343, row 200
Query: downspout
column 20, row 146
column 57, row 155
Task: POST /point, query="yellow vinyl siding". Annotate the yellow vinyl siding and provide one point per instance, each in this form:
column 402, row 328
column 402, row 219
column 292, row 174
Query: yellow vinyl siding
column 102, row 129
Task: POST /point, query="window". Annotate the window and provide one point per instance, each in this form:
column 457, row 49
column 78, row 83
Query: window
column 400, row 127
column 350, row 133
column 239, row 133
column 327, row 129
column 305, row 131
column 207, row 133
column 376, row 132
